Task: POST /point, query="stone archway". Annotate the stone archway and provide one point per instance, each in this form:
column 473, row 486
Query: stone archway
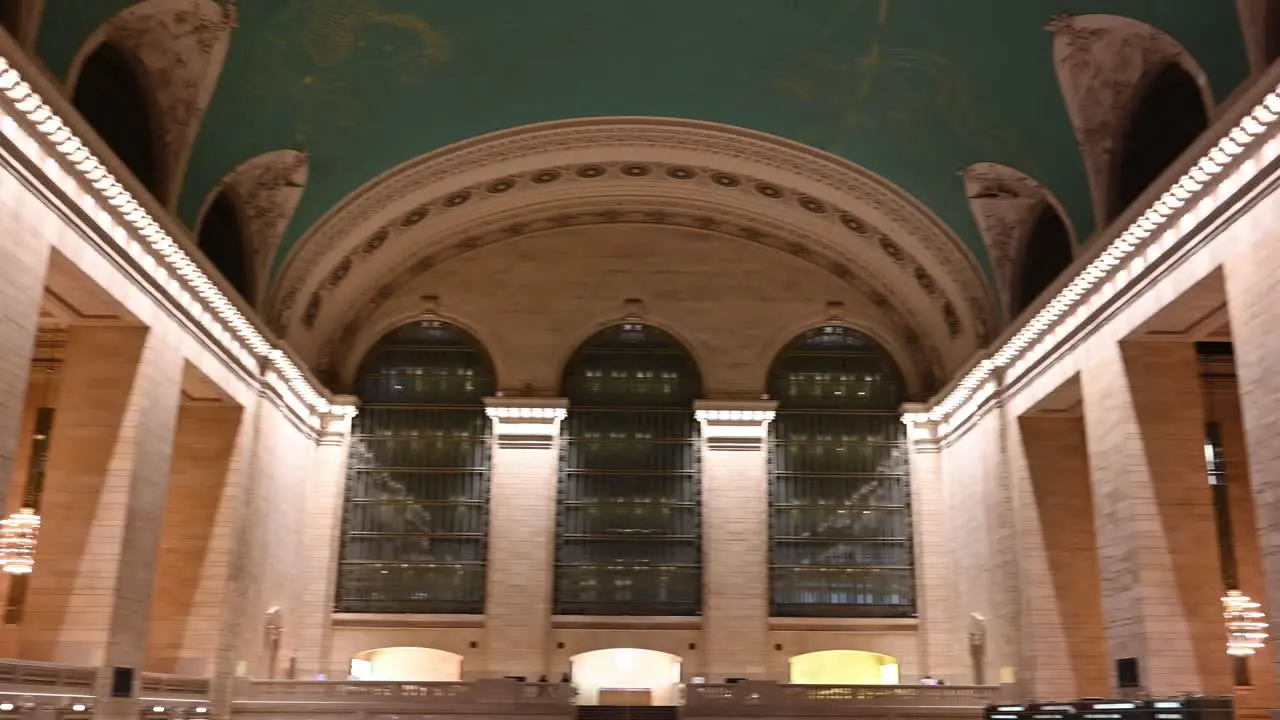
column 673, row 173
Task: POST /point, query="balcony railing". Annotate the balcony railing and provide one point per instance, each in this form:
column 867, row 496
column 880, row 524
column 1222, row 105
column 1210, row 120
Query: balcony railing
column 783, row 699
column 35, row 686
column 437, row 695
column 18, row 677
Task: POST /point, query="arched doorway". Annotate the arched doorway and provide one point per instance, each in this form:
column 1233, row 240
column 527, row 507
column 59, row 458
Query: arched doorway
column 407, row 664
column 844, row 667
column 626, row 676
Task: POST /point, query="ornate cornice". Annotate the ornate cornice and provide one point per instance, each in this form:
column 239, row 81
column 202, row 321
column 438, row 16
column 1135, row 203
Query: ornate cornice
column 745, row 167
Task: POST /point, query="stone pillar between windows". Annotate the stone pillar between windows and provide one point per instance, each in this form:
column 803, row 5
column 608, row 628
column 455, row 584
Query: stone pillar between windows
column 519, row 574
column 322, row 540
column 1065, row 642
column 735, row 537
column 1153, row 515
column 932, row 545
column 108, row 476
column 193, row 565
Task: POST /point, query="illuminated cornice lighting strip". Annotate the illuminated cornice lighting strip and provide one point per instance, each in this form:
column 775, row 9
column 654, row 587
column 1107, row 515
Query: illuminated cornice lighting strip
column 1188, row 189
column 110, row 190
column 760, row 416
column 526, row 413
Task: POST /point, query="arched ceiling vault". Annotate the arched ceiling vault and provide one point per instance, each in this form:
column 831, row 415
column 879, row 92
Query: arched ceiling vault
column 635, row 170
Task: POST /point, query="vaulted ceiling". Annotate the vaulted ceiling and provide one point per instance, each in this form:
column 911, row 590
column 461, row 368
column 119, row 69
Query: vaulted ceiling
column 912, row 90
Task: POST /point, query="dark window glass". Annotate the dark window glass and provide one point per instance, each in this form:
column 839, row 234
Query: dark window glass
column 628, row 526
column 112, row 97
column 415, row 525
column 11, row 16
column 222, row 240
column 839, row 496
column 1045, row 254
column 1271, row 39
column 1166, row 117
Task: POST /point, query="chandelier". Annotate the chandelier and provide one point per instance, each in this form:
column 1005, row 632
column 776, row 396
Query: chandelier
column 1246, row 624
column 18, row 534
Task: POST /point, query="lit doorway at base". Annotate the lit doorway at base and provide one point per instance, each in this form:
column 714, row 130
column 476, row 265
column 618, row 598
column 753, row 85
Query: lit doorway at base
column 407, row 664
column 626, row 676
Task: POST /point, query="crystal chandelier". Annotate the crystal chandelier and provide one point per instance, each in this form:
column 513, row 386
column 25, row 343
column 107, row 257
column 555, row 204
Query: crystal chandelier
column 1246, row 624
column 18, row 534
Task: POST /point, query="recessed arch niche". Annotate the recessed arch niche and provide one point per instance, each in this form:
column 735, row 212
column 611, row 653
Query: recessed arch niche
column 626, row 676
column 111, row 92
column 1167, row 114
column 416, row 513
column 222, row 239
column 1045, row 254
column 843, row 667
column 407, row 664
column 628, row 536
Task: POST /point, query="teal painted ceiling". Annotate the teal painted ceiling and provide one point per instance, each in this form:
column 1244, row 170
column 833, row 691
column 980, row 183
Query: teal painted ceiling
column 914, row 90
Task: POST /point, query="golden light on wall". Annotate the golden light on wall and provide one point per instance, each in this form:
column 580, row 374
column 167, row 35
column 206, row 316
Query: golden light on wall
column 1246, row 624
column 18, row 535
column 844, row 667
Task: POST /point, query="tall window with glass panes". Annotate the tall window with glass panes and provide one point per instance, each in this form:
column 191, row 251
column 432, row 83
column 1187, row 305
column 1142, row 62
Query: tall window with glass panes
column 839, row 491
column 416, row 515
column 628, row 531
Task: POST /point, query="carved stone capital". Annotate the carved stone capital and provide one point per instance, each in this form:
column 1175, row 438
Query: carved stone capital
column 526, row 423
column 735, row 425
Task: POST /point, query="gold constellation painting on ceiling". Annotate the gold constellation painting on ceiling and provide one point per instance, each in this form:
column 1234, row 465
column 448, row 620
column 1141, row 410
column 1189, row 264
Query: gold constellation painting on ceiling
column 321, row 60
column 914, row 98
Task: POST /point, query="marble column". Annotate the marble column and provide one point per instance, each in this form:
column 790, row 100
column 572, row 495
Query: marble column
column 520, row 580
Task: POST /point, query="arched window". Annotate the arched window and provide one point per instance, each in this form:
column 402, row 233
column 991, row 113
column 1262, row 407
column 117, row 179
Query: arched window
column 221, row 239
column 113, row 98
column 839, row 496
column 1167, row 115
column 628, row 535
column 417, row 504
column 1044, row 255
